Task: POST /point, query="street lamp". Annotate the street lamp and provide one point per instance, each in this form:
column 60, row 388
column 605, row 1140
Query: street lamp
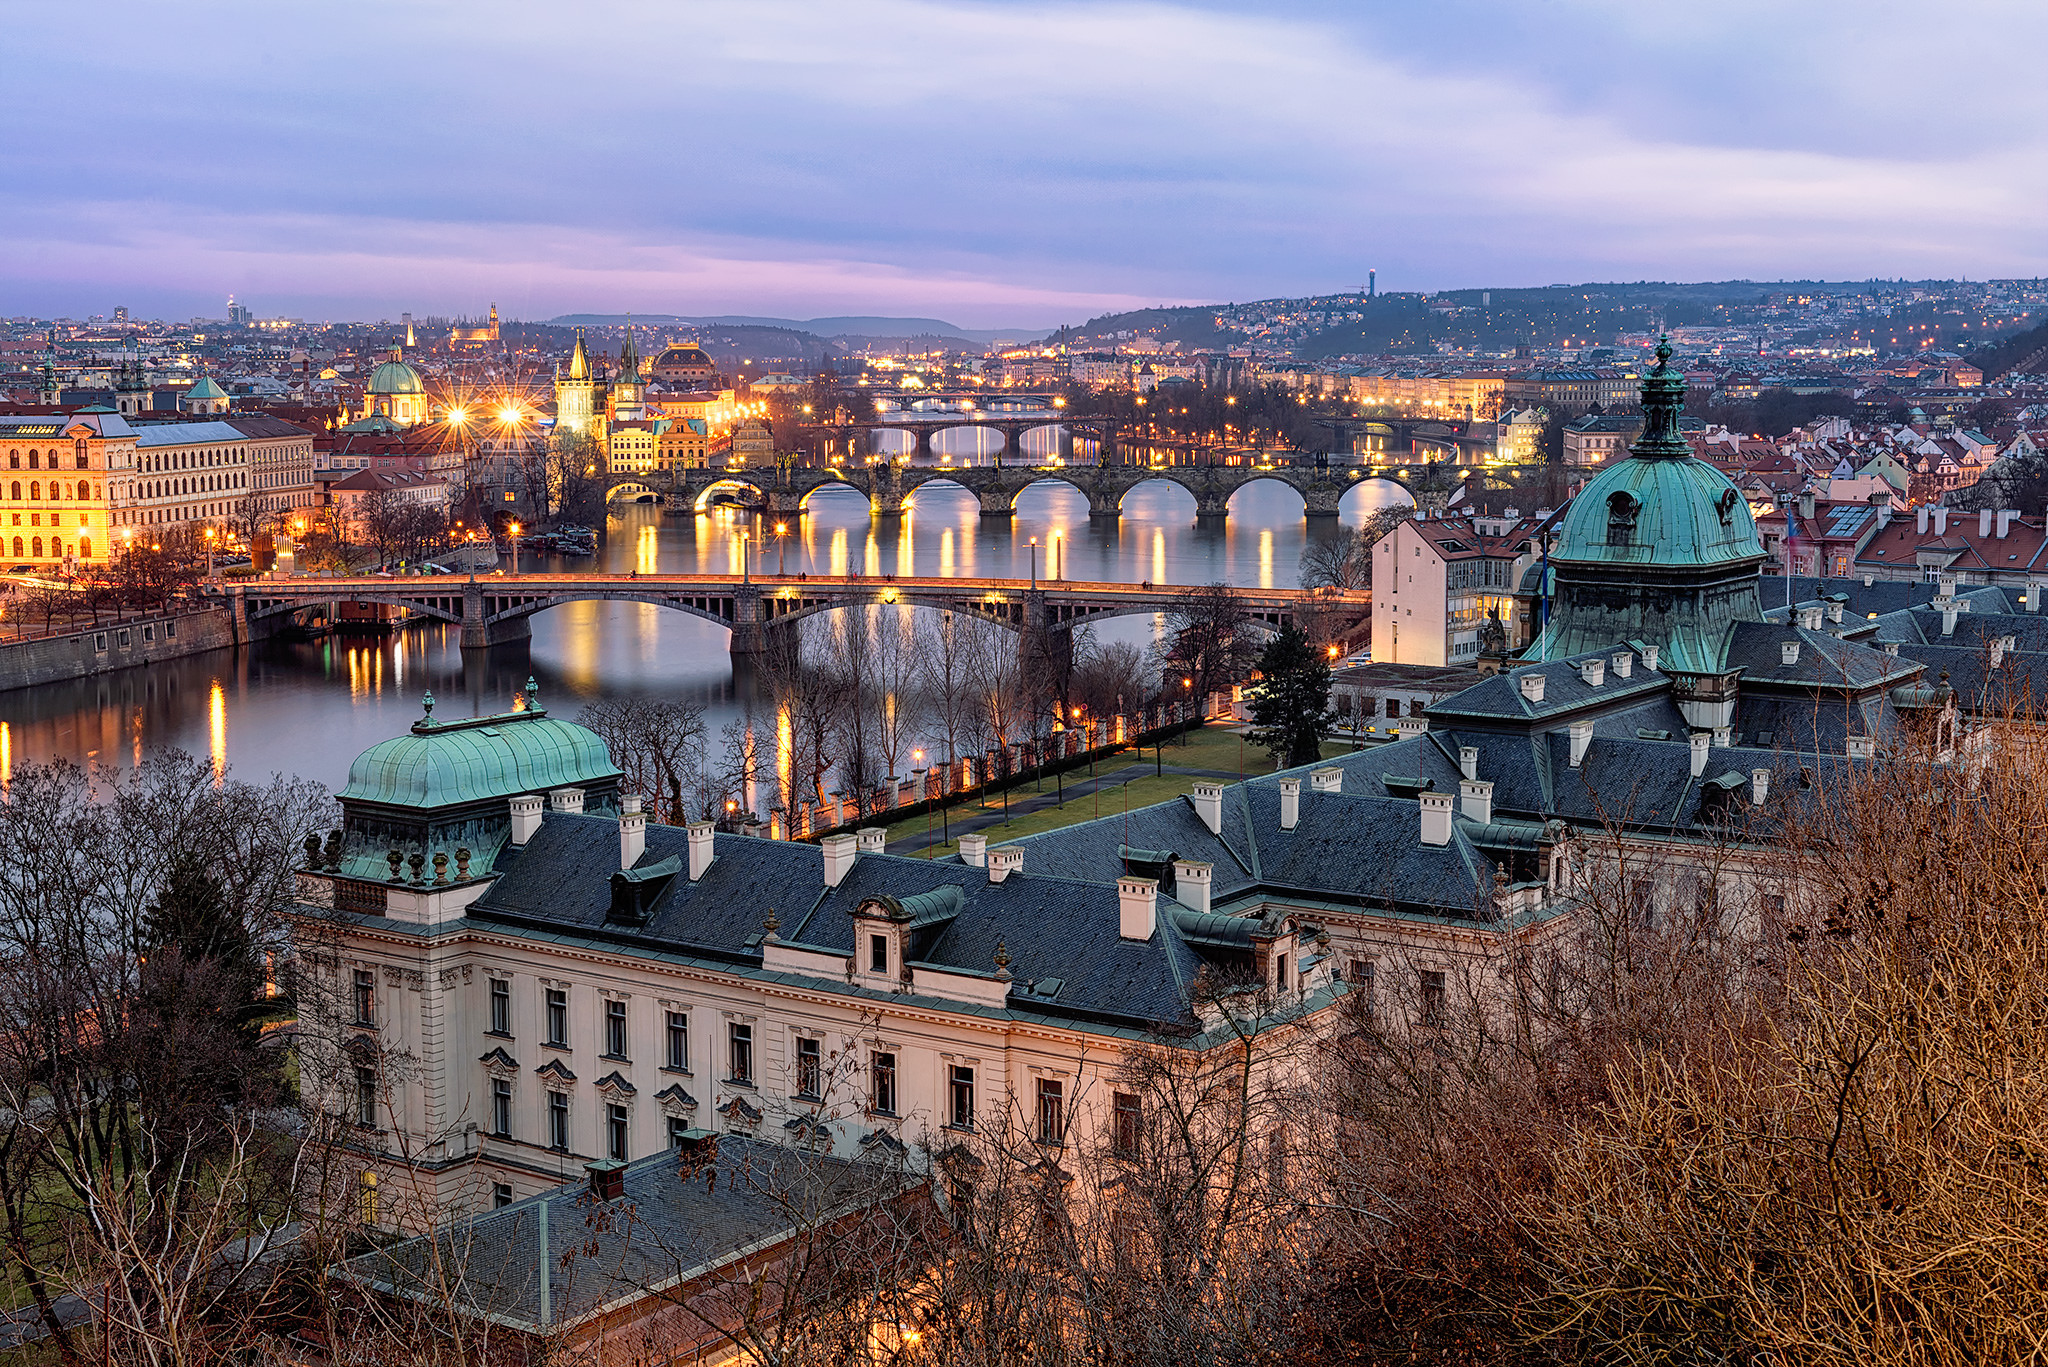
column 1034, row 562
column 781, row 550
column 513, row 528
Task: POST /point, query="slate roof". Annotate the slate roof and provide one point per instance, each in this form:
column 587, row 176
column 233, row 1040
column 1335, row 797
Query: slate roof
column 667, row 1226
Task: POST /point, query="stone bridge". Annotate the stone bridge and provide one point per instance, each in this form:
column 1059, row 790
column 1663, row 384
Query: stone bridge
column 495, row 609
column 885, row 485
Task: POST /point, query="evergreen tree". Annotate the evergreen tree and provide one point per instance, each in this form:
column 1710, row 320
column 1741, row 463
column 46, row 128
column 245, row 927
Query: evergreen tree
column 193, row 921
column 1291, row 702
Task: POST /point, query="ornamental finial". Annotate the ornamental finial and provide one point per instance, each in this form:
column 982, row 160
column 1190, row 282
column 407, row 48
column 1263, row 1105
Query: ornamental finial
column 427, row 701
column 531, row 693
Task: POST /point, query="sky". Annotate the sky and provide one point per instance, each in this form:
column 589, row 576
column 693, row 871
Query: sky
column 998, row 165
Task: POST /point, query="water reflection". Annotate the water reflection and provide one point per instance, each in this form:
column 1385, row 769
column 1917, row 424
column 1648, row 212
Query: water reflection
column 309, row 708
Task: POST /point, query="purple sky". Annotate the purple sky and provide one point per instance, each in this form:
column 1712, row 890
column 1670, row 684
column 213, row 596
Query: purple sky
column 998, row 164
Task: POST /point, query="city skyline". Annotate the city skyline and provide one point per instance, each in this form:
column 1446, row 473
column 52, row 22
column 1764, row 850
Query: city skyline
column 1000, row 166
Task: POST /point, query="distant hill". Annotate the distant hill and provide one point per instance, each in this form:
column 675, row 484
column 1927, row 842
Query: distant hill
column 1194, row 328
column 851, row 327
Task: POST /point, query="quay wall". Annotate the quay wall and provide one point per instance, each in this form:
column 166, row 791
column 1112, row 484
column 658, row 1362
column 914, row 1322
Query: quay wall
column 116, row 645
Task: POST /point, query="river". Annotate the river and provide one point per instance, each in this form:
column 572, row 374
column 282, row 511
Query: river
column 309, row 708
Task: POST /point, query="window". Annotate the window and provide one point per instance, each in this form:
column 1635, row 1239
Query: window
column 1621, row 520
column 1360, row 973
column 882, row 1083
column 366, row 1198
column 961, row 1095
column 615, row 1029
column 501, row 1107
column 501, row 1006
column 558, row 1120
column 1279, row 972
column 501, row 1194
column 1432, row 997
column 558, row 1017
column 810, row 1072
column 366, row 997
column 740, row 1054
column 366, row 1097
column 677, row 1128
column 1127, row 1119
column 878, row 954
column 1052, row 1111
column 615, row 1131
column 679, row 1041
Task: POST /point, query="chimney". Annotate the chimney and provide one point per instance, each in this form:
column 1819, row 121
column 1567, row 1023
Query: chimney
column 1809, row 617
column 632, row 832
column 1806, row 505
column 1948, row 620
column 1724, row 736
column 569, row 800
column 607, row 1178
column 974, row 851
column 1290, row 803
column 1475, row 799
column 1947, row 584
column 700, row 833
column 525, row 818
column 1436, row 818
column 1701, row 742
column 1788, row 652
column 839, row 852
column 1137, row 907
column 1759, row 786
column 873, row 839
column 1532, row 687
column 2005, row 521
column 1624, row 664
column 1834, row 610
column 1330, row 780
column 2034, row 592
column 1940, row 521
column 1593, row 672
column 1003, row 861
column 1582, row 737
column 1984, row 523
column 1650, row 658
column 1920, row 518
column 1191, row 882
column 1882, row 501
column 1862, row 747
column 1468, row 761
column 1209, row 806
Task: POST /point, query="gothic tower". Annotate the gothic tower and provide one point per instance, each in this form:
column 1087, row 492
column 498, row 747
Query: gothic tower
column 628, row 393
column 576, row 393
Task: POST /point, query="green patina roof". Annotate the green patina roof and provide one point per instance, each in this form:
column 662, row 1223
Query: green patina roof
column 206, row 389
column 396, row 377
column 1685, row 513
column 445, row 764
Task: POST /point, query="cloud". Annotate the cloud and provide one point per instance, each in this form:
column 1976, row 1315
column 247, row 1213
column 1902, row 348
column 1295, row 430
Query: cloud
column 1003, row 163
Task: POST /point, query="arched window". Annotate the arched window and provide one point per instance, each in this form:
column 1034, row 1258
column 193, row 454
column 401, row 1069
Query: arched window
column 35, row 489
column 36, row 548
column 1621, row 519
column 18, row 552
column 14, row 490
column 84, row 461
column 85, row 548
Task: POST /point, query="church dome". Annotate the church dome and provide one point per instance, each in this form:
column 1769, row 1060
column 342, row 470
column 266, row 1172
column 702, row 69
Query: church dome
column 206, row 389
column 682, row 356
column 446, row 764
column 395, row 377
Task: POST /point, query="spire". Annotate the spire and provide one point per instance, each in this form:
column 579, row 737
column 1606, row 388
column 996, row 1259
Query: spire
column 629, row 358
column 1663, row 399
column 579, row 359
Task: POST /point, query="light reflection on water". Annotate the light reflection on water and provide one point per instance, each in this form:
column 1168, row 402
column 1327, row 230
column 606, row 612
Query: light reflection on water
column 309, row 708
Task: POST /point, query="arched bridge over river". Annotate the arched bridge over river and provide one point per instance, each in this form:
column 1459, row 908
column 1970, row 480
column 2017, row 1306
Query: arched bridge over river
column 885, row 485
column 495, row 609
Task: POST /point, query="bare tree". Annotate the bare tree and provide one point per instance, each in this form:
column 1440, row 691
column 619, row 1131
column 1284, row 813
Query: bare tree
column 659, row 744
column 1344, row 561
column 1212, row 643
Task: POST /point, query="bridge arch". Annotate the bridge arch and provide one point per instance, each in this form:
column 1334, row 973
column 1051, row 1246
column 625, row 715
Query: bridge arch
column 633, row 489
column 835, row 481
column 726, row 484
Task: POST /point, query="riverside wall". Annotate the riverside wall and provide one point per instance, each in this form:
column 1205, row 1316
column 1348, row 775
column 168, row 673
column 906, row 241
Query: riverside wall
column 117, row 645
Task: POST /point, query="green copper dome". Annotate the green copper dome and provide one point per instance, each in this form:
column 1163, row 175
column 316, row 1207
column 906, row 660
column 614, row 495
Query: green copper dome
column 206, row 389
column 1663, row 505
column 446, row 764
column 396, row 377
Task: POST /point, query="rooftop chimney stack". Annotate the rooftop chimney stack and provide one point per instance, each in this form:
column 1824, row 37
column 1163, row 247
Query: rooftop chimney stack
column 839, row 854
column 1624, row 664
column 1593, row 672
column 567, row 800
column 700, row 833
column 2034, row 592
column 1209, row 806
column 1532, row 687
column 1137, row 907
column 1475, row 799
column 1468, row 761
column 632, row 832
column 1290, row 803
column 1581, row 740
column 1920, row 519
column 1436, row 818
column 1650, row 658
column 1330, row 780
column 1788, row 652
column 1940, row 521
column 1003, row 861
column 525, row 818
column 1192, row 880
column 1701, row 743
column 1759, row 786
column 873, row 839
column 974, row 851
column 2006, row 517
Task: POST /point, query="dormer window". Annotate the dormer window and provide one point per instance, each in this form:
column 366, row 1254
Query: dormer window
column 878, row 954
column 1621, row 519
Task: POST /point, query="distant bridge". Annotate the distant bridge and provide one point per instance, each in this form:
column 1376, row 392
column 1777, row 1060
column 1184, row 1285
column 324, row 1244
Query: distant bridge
column 495, row 609
column 781, row 492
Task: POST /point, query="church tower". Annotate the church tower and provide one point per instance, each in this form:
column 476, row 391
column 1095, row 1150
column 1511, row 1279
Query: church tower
column 52, row 395
column 576, row 393
column 131, row 388
column 629, row 401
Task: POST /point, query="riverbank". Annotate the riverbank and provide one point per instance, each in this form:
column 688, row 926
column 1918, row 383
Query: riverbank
column 82, row 653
